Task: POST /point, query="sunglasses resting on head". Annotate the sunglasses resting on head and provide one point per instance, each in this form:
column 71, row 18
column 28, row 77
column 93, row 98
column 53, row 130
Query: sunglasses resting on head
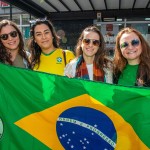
column 13, row 34
column 134, row 42
column 94, row 42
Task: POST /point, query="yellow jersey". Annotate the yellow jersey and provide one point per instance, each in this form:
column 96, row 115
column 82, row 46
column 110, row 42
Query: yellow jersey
column 54, row 62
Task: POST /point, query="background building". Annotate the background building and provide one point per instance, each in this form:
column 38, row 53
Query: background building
column 70, row 17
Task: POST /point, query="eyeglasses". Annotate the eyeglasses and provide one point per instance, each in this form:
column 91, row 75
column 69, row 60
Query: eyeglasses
column 94, row 42
column 134, row 42
column 12, row 34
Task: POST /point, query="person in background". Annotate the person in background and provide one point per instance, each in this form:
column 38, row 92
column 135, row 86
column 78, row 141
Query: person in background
column 46, row 56
column 12, row 50
column 131, row 59
column 90, row 62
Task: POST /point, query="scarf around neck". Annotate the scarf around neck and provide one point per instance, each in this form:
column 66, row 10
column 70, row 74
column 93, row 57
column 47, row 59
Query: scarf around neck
column 82, row 71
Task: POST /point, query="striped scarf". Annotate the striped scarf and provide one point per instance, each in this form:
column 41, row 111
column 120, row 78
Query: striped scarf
column 82, row 72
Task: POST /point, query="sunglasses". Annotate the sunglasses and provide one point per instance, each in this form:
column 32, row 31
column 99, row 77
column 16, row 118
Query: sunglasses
column 134, row 42
column 94, row 42
column 12, row 34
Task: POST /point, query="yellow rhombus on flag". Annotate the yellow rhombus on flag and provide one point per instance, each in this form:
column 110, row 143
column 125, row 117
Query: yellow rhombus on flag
column 40, row 111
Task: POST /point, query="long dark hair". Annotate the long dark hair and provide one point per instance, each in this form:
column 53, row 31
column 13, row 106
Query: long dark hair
column 5, row 56
column 100, row 57
column 34, row 47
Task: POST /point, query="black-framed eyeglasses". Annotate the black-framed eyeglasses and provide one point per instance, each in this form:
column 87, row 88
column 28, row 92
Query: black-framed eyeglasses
column 94, row 42
column 12, row 34
column 134, row 42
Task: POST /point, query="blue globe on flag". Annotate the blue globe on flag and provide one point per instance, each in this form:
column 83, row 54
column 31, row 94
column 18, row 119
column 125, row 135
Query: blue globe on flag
column 84, row 128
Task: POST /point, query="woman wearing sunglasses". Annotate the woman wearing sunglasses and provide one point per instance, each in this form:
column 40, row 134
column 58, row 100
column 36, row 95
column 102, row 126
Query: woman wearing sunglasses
column 131, row 59
column 12, row 50
column 90, row 62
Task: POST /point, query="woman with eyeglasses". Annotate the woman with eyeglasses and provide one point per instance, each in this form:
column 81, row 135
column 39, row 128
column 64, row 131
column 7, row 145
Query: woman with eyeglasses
column 12, row 50
column 131, row 59
column 90, row 62
column 46, row 56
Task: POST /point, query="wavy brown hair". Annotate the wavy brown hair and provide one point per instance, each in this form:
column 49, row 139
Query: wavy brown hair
column 5, row 56
column 100, row 57
column 35, row 49
column 120, row 62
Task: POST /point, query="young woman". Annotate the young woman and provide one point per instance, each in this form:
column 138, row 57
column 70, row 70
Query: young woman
column 12, row 50
column 132, row 59
column 90, row 62
column 45, row 52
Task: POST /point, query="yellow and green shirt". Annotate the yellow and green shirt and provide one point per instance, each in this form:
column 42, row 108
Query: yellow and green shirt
column 54, row 62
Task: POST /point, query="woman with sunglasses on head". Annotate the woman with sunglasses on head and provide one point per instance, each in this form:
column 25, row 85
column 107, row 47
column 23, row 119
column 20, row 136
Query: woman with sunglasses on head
column 45, row 52
column 90, row 62
column 12, row 50
column 131, row 59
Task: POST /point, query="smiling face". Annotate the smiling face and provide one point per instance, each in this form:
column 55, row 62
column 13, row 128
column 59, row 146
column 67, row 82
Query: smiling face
column 43, row 37
column 12, row 42
column 131, row 48
column 90, row 49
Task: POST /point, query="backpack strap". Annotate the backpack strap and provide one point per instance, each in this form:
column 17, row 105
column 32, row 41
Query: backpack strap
column 64, row 55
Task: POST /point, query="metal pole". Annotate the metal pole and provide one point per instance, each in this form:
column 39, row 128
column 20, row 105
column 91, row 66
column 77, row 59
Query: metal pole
column 125, row 22
column 10, row 11
column 29, row 21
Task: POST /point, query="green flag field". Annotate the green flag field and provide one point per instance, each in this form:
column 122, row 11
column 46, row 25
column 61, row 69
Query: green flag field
column 40, row 111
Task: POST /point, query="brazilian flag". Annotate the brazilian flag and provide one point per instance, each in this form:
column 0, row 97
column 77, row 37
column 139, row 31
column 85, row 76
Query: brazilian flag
column 40, row 111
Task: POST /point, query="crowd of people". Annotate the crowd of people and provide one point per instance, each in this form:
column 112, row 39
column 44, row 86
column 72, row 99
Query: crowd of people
column 130, row 65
